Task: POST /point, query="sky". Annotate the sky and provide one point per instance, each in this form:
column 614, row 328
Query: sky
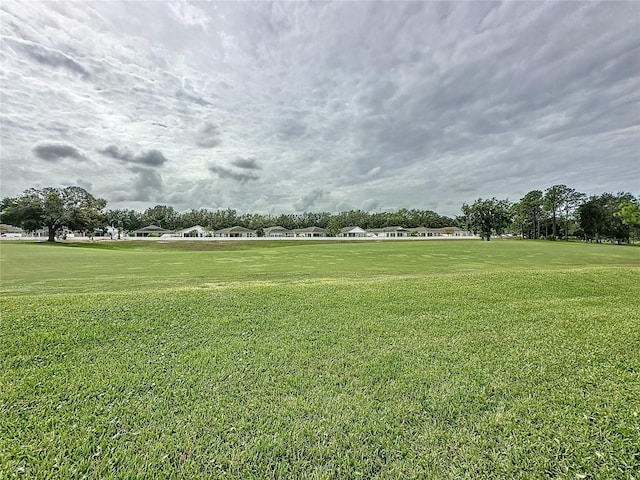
column 297, row 107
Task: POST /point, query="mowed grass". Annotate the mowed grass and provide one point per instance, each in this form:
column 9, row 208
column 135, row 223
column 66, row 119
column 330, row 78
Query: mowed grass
column 444, row 359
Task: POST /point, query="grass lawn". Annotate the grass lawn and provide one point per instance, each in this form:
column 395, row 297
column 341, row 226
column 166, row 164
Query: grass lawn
column 410, row 359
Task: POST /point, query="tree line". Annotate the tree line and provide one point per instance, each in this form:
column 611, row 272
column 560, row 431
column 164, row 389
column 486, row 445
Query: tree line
column 560, row 212
column 167, row 217
column 77, row 209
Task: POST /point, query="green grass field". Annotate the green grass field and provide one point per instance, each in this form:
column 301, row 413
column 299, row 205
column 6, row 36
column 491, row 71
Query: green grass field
column 412, row 359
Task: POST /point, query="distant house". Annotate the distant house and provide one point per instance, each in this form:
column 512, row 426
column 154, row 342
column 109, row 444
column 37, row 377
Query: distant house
column 353, row 232
column 277, row 232
column 457, row 232
column 312, row 232
column 41, row 232
column 390, row 232
column 151, row 231
column 441, row 232
column 235, row 232
column 195, row 231
column 427, row 232
column 9, row 231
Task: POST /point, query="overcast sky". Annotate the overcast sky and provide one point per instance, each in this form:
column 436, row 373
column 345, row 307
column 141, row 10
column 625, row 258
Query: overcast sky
column 292, row 107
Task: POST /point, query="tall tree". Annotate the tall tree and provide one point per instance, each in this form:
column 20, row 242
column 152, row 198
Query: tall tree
column 488, row 217
column 124, row 220
column 598, row 218
column 528, row 211
column 333, row 226
column 570, row 201
column 629, row 213
column 553, row 201
column 162, row 215
column 591, row 217
column 53, row 208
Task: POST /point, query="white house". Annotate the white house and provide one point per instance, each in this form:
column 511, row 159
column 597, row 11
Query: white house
column 458, row 232
column 235, row 232
column 152, row 231
column 195, row 231
column 277, row 232
column 427, row 232
column 353, row 232
column 390, row 232
column 310, row 232
column 441, row 232
column 9, row 231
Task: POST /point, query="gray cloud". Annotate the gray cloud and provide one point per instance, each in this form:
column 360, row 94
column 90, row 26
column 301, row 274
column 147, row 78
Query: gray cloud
column 151, row 158
column 247, row 163
column 54, row 152
column 223, row 172
column 370, row 205
column 307, row 201
column 48, row 56
column 208, row 135
column 291, row 128
column 88, row 186
column 147, row 186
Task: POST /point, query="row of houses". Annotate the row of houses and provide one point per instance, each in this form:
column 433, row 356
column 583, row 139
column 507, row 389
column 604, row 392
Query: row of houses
column 309, row 232
column 198, row 231
column 230, row 232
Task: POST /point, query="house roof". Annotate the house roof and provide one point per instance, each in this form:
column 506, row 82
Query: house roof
column 353, row 230
column 277, row 228
column 439, row 230
column 426, row 229
column 388, row 229
column 309, row 230
column 152, row 229
column 198, row 228
column 236, row 229
column 10, row 228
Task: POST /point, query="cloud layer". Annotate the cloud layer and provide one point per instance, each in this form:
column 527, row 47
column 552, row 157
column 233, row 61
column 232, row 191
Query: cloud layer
column 54, row 152
column 151, row 158
column 284, row 107
column 227, row 173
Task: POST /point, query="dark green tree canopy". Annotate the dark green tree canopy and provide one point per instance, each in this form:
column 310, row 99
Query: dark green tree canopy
column 528, row 214
column 488, row 217
column 162, row 215
column 601, row 217
column 53, row 208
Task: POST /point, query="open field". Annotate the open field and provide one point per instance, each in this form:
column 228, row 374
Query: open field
column 461, row 359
